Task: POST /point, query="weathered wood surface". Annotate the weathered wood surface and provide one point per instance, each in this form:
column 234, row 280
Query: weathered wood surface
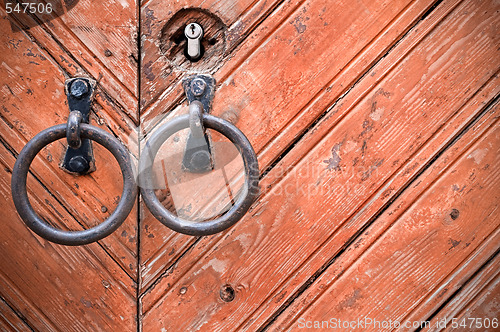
column 429, row 231
column 273, row 96
column 28, row 89
column 56, row 287
column 377, row 132
column 478, row 298
column 9, row 320
column 159, row 76
column 102, row 38
column 372, row 143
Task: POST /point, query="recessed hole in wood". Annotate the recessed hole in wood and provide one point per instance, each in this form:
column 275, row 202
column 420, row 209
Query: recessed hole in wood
column 213, row 44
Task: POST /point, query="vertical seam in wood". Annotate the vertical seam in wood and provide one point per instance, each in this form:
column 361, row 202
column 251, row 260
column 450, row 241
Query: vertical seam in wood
column 165, row 272
column 139, row 260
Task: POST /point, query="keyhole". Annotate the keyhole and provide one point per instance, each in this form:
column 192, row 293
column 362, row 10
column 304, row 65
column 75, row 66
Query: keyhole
column 194, row 48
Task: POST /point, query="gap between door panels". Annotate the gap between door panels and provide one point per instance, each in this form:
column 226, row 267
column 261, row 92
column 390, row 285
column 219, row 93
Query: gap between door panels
column 49, row 43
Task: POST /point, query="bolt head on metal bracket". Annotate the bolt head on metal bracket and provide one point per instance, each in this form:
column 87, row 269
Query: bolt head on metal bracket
column 79, row 92
column 197, row 155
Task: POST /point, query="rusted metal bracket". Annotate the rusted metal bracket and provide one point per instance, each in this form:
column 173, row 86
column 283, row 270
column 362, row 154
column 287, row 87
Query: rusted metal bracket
column 79, row 160
column 197, row 155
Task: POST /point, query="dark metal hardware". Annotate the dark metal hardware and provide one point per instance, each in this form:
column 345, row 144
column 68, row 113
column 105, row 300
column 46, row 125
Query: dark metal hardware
column 199, row 91
column 29, row 152
column 73, row 129
column 79, row 158
column 245, row 198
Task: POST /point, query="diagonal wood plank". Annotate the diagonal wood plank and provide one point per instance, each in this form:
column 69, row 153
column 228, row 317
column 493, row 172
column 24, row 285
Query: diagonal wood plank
column 76, row 59
column 400, row 99
column 476, row 304
column 68, row 288
column 430, row 234
column 10, row 320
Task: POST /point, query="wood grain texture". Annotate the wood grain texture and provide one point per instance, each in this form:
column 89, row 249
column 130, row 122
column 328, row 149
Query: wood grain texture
column 428, row 80
column 377, row 129
column 355, row 245
column 478, row 298
column 10, row 320
column 427, row 241
column 68, row 53
column 240, row 18
column 26, row 86
column 60, row 288
column 256, row 104
column 105, row 45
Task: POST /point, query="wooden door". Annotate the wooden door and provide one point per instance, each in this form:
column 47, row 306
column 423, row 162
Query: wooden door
column 44, row 286
column 376, row 128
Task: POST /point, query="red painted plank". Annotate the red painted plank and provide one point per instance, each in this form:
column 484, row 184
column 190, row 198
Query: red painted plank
column 475, row 307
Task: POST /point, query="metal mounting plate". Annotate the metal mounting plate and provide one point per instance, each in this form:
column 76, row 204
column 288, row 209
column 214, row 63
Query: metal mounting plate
column 197, row 155
column 79, row 92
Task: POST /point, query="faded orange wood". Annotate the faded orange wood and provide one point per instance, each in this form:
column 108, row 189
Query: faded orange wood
column 479, row 298
column 254, row 96
column 25, row 89
column 404, row 178
column 393, row 117
column 57, row 287
column 428, row 240
column 9, row 321
column 115, row 108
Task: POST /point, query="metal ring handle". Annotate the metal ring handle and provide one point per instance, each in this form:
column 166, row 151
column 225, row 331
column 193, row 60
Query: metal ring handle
column 244, row 200
column 36, row 223
column 73, row 129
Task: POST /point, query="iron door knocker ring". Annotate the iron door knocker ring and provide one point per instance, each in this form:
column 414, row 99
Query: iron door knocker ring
column 196, row 120
column 74, row 130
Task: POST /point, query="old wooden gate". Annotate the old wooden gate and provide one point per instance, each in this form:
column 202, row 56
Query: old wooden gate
column 376, row 129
